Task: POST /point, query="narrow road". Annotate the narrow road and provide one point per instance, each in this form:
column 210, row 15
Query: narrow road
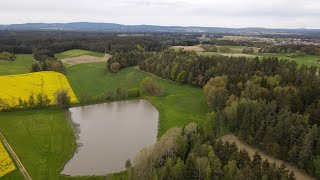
column 298, row 173
column 15, row 157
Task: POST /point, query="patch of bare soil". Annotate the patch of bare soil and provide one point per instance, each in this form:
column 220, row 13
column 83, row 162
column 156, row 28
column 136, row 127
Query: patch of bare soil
column 85, row 59
column 238, row 55
column 299, row 173
column 190, row 48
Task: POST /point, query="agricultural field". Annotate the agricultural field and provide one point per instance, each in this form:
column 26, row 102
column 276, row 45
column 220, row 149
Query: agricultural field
column 78, row 52
column 6, row 163
column 22, row 86
column 235, row 51
column 248, row 38
column 22, row 64
column 84, row 59
column 196, row 48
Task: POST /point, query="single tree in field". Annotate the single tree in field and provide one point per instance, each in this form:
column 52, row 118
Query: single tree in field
column 115, row 67
column 35, row 67
column 149, row 86
column 63, row 99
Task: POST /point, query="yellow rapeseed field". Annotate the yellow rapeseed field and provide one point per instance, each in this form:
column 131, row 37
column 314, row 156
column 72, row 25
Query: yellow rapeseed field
column 6, row 164
column 23, row 86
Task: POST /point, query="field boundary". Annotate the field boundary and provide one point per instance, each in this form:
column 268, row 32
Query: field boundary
column 15, row 157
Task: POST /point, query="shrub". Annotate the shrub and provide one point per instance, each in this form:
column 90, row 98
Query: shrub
column 42, row 100
column 247, row 50
column 181, row 78
column 52, row 65
column 43, row 54
column 122, row 93
column 63, row 99
column 7, row 56
column 115, row 67
column 224, row 49
column 133, row 93
column 209, row 48
column 149, row 86
column 35, row 67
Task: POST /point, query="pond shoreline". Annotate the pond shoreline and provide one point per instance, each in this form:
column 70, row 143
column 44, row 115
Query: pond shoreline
column 108, row 133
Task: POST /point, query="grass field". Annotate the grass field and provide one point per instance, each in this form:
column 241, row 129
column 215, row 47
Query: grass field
column 180, row 105
column 22, row 86
column 22, row 64
column 44, row 140
column 77, row 52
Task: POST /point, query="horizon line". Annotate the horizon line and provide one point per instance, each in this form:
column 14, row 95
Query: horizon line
column 184, row 26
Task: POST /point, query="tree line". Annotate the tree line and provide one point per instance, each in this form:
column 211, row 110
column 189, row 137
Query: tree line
column 307, row 49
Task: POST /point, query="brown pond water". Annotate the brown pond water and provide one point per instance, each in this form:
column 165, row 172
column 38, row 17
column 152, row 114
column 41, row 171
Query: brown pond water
column 109, row 134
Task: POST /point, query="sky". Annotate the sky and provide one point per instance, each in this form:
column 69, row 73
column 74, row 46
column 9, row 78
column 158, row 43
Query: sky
column 210, row 13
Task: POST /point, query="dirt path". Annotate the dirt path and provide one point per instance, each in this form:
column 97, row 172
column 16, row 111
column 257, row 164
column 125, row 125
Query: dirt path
column 299, row 174
column 15, row 157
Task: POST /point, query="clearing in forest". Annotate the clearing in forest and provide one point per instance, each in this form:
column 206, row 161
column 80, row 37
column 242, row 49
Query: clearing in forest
column 23, row 86
column 85, row 59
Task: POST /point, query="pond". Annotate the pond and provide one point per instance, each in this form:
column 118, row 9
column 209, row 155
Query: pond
column 109, row 134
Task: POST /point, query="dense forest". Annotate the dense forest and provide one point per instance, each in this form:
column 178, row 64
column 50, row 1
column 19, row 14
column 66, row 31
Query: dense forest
column 187, row 153
column 270, row 103
column 27, row 42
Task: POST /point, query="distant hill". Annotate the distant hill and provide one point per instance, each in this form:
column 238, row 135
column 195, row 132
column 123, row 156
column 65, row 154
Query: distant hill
column 88, row 26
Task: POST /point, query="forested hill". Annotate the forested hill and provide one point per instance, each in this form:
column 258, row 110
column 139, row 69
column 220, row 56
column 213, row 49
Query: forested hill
column 87, row 26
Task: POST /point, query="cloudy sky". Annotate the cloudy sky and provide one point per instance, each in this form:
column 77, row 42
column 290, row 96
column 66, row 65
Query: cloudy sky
column 222, row 13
